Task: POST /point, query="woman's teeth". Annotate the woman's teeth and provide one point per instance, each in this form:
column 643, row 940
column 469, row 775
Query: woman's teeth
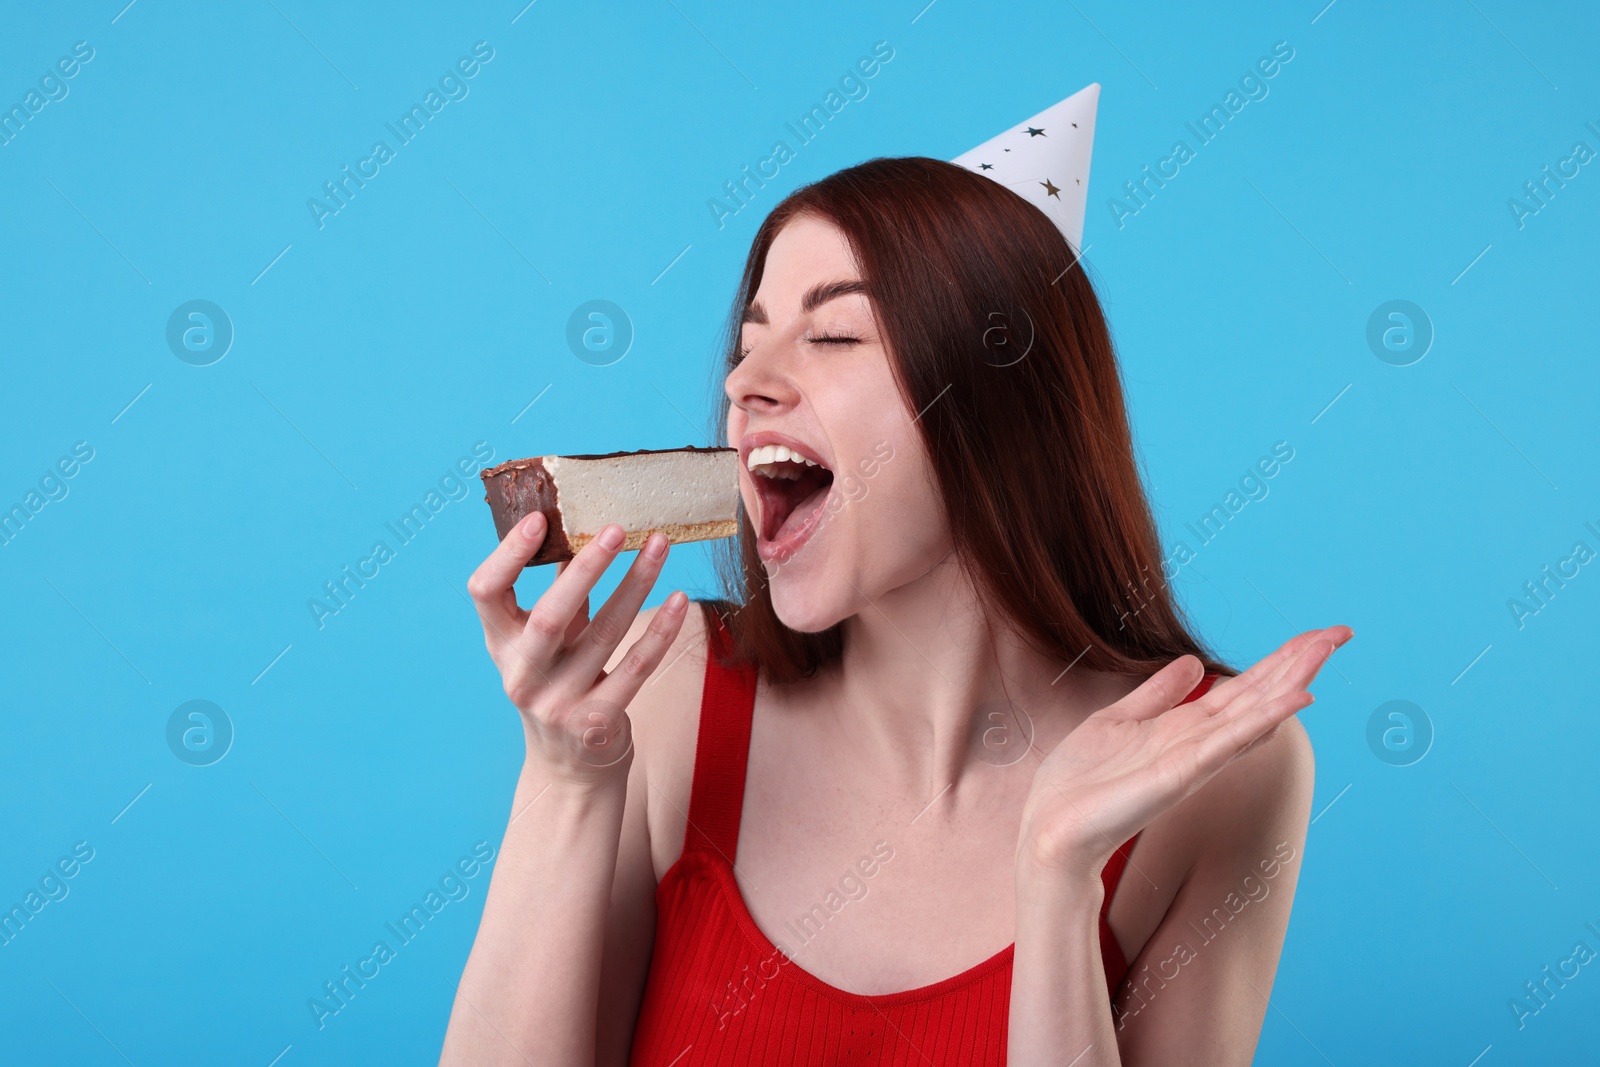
column 763, row 461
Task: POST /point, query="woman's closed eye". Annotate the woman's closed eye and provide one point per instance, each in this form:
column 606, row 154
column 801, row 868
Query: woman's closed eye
column 826, row 339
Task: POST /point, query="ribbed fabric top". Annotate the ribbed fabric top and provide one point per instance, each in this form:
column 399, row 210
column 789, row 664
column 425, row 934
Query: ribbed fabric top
column 720, row 992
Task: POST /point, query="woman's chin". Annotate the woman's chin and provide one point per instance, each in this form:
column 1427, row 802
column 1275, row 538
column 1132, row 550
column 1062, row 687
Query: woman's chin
column 803, row 604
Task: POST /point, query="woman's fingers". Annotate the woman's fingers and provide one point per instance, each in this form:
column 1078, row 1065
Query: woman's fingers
column 1163, row 690
column 551, row 656
column 548, row 619
column 1258, row 675
column 493, row 585
column 579, row 620
column 645, row 654
column 1295, row 673
column 1248, row 717
column 1222, row 732
column 590, row 651
column 1234, row 737
column 597, row 729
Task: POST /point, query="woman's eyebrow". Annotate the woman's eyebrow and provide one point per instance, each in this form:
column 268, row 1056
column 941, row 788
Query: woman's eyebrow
column 815, row 297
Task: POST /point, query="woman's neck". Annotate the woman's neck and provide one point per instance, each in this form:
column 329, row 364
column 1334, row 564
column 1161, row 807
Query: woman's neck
column 927, row 668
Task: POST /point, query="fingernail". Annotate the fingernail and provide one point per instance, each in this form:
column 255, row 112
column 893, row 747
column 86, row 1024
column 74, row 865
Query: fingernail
column 677, row 600
column 532, row 525
column 611, row 537
column 656, row 547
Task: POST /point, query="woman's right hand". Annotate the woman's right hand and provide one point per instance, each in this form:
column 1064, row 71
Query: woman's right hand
column 552, row 656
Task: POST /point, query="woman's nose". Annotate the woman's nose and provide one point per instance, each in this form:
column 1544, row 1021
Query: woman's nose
column 762, row 381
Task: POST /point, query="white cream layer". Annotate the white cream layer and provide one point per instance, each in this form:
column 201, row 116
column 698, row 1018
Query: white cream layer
column 642, row 492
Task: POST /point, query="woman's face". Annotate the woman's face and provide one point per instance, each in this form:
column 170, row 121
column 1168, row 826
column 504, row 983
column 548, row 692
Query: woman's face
column 833, row 472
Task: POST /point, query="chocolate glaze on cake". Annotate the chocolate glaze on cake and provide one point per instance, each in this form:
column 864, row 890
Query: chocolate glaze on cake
column 614, row 455
column 515, row 490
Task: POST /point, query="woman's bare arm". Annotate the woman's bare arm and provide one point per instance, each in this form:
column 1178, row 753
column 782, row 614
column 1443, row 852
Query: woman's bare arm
column 1198, row 990
column 1111, row 777
column 530, row 989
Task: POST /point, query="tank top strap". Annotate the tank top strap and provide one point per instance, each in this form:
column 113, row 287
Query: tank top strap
column 722, row 748
column 1111, row 954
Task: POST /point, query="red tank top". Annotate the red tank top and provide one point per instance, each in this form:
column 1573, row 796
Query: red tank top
column 720, row 992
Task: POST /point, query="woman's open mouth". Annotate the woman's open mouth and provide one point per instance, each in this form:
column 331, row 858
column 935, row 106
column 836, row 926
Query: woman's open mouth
column 793, row 491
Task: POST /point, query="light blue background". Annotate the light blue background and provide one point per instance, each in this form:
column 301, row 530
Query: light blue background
column 427, row 314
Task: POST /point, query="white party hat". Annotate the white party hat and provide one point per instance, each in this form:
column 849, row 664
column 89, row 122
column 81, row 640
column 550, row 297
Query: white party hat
column 1046, row 160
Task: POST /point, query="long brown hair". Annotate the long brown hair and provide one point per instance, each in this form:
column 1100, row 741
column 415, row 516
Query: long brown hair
column 996, row 336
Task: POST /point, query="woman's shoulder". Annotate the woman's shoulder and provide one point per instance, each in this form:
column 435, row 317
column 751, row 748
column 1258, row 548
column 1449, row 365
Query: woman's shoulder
column 1268, row 783
column 1256, row 794
column 677, row 667
column 667, row 706
column 1252, row 809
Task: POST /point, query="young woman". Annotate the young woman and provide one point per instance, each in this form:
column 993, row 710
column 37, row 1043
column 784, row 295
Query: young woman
column 949, row 781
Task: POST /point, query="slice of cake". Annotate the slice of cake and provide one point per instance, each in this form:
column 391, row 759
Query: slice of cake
column 688, row 494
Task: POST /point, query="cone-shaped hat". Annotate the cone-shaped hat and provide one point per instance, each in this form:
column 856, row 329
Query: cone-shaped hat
column 1046, row 160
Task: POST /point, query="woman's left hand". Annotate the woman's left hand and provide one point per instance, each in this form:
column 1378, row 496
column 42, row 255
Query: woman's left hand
column 1129, row 762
